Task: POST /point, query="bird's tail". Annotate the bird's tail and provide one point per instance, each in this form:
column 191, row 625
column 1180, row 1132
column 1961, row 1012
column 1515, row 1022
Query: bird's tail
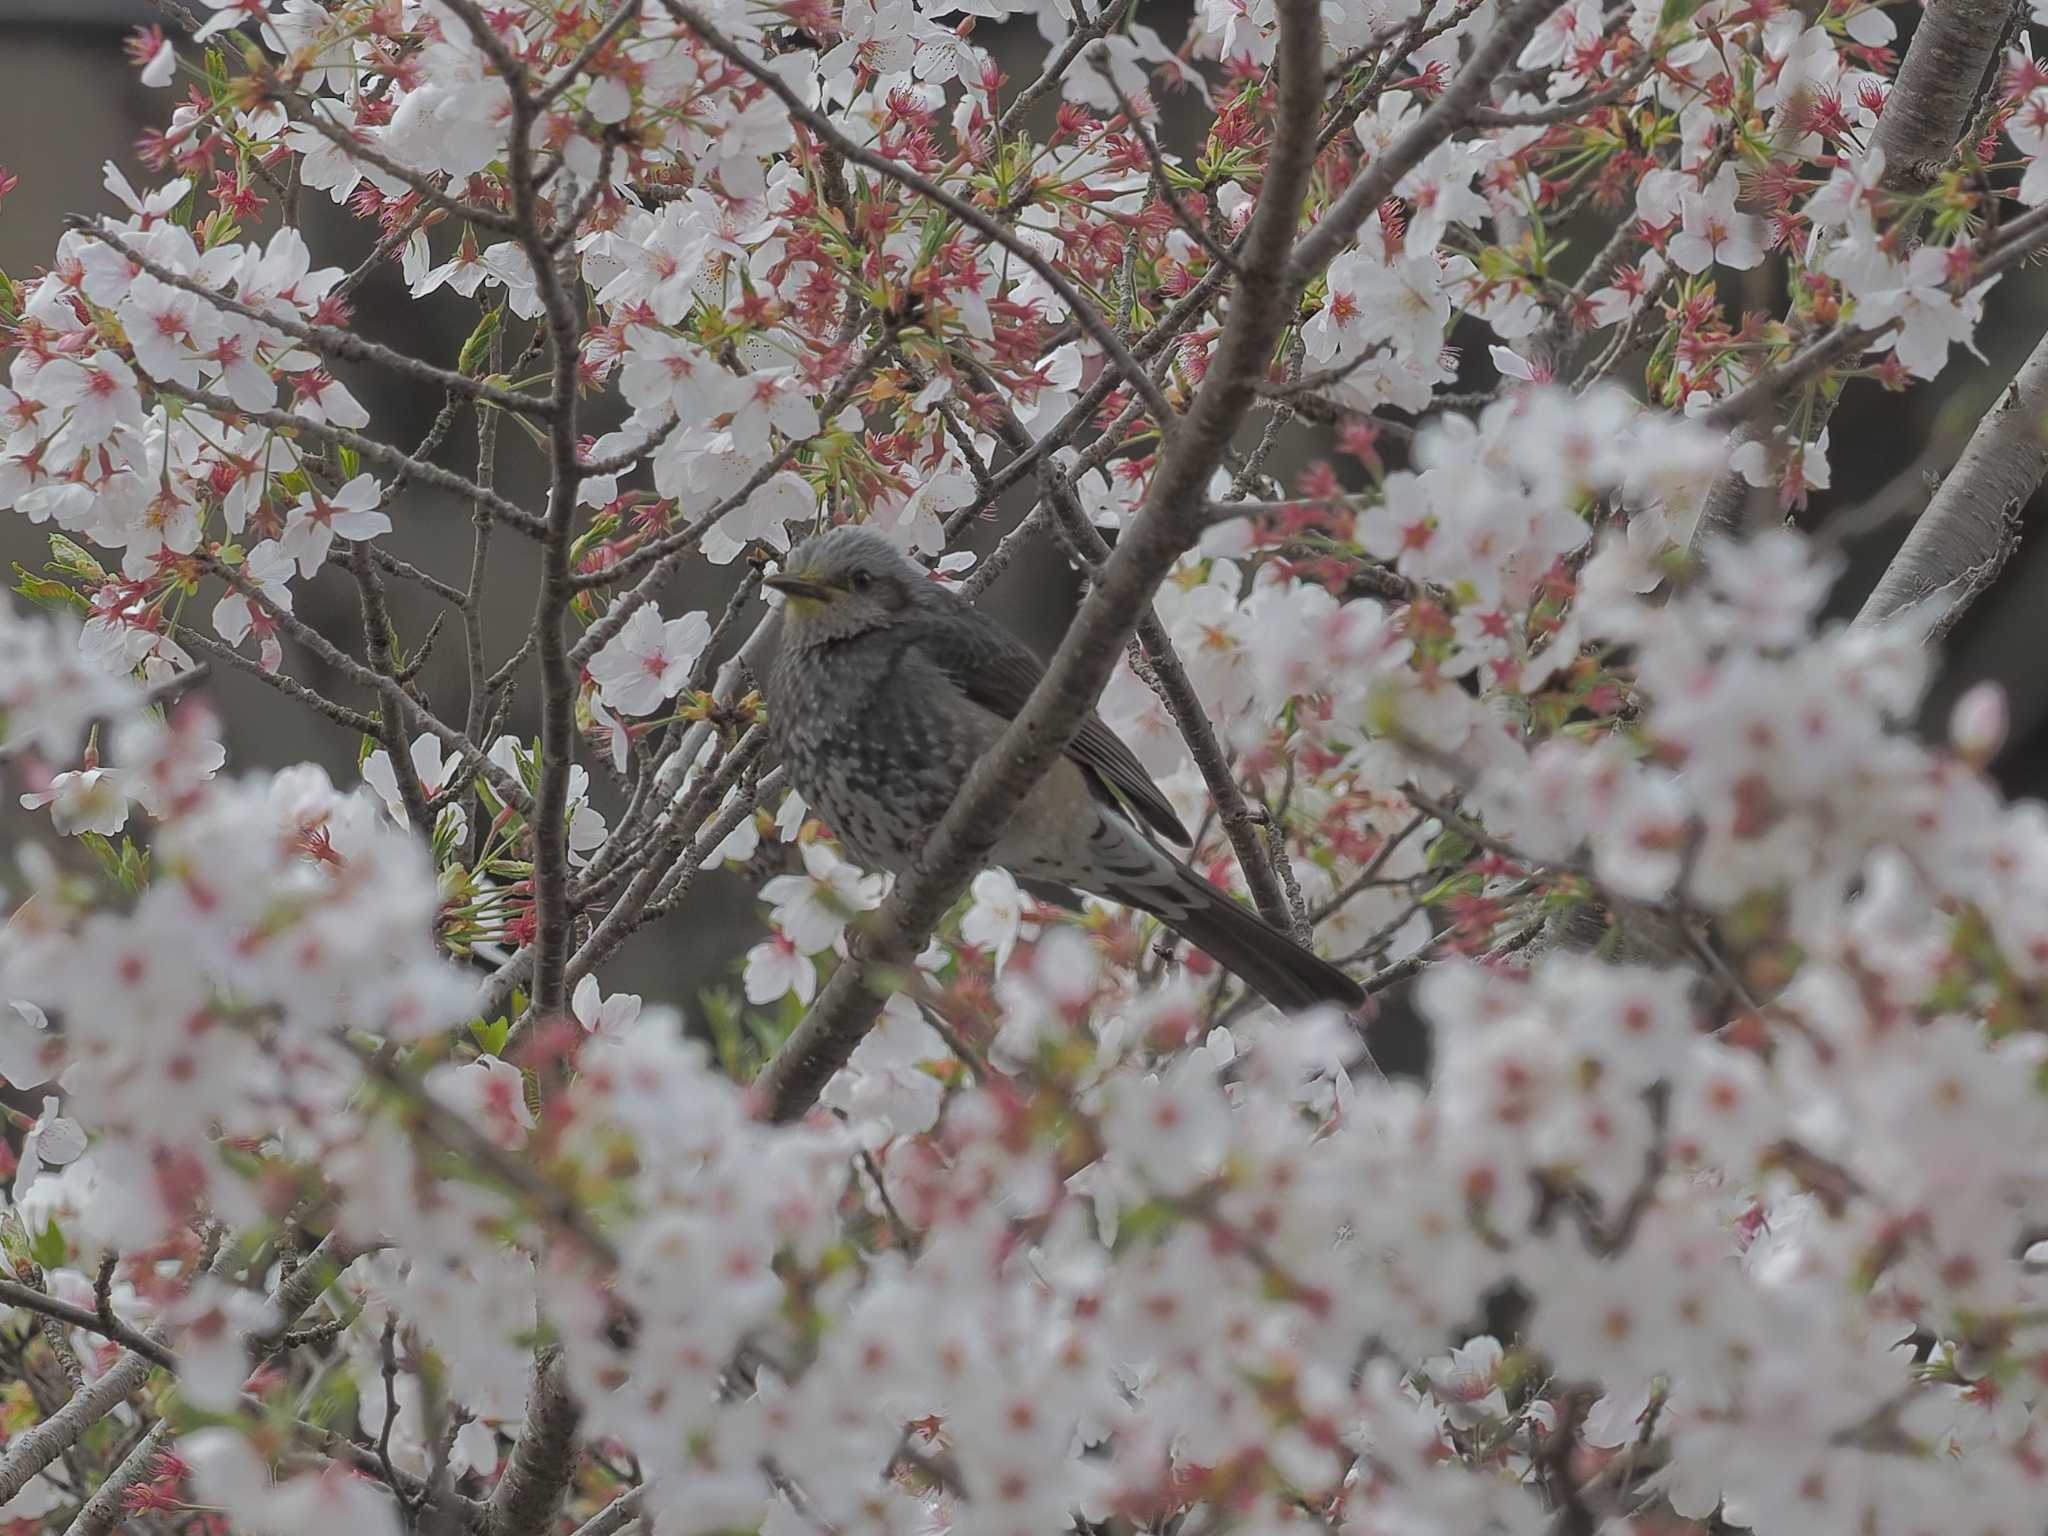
column 1288, row 975
column 1124, row 864
column 1130, row 868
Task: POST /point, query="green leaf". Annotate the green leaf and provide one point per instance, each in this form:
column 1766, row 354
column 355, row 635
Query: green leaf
column 1448, row 847
column 74, row 559
column 48, row 1247
column 216, row 229
column 1467, row 882
column 1676, row 13
column 127, row 866
column 724, row 1019
column 134, row 866
column 45, row 593
column 477, row 350
column 491, row 1037
column 104, row 853
column 534, row 434
column 1144, row 1224
column 333, row 1402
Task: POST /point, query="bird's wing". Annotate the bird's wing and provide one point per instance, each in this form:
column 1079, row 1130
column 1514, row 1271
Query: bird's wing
column 998, row 673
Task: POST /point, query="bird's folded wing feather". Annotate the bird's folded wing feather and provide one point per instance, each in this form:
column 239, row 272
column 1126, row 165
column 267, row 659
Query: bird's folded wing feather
column 998, row 673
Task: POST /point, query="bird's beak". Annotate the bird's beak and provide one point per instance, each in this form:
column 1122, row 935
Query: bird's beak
column 797, row 586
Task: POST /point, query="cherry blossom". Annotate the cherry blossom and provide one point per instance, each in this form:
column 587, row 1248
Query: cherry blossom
column 157, row 61
column 353, row 512
column 1730, row 1127
column 1916, row 294
column 1711, row 231
column 777, row 967
column 52, row 1141
column 267, row 572
column 90, row 398
column 612, row 1016
column 432, row 769
column 29, row 1054
column 648, row 660
column 996, row 917
column 88, row 800
column 812, row 908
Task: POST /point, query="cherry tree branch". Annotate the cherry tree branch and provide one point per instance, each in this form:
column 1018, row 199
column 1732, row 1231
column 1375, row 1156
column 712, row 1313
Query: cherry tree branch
column 544, row 1456
column 477, row 707
column 33, row 1449
column 102, row 1512
column 548, row 825
column 1781, row 379
column 1972, row 526
column 370, row 449
column 331, row 709
column 615, row 1516
column 391, row 712
column 683, row 872
column 619, row 463
column 1928, row 109
column 624, row 14
column 1164, row 528
column 27, row 1297
column 1572, row 107
column 529, row 1490
column 330, row 341
column 2010, row 244
column 658, row 885
column 686, row 816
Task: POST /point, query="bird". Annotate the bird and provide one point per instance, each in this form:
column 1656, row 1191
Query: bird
column 885, row 689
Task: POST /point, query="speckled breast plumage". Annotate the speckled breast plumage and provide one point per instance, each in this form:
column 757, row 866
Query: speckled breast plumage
column 875, row 739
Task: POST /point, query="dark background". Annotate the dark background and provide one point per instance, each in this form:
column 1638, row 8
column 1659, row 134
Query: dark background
column 68, row 102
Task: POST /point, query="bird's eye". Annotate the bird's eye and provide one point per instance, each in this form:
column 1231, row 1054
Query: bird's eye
column 861, row 581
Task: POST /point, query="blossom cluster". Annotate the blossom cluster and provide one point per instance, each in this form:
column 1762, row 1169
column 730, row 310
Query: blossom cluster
column 1719, row 1196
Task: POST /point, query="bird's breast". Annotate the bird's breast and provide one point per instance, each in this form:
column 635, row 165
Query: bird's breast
column 876, row 743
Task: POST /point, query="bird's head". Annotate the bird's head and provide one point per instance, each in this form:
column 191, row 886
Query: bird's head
column 844, row 582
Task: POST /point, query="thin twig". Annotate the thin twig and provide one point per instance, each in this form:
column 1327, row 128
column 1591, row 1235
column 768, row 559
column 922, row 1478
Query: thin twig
column 1090, row 30
column 378, row 453
column 27, row 1297
column 327, row 340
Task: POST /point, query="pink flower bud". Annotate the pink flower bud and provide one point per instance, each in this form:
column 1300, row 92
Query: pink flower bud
column 1978, row 725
